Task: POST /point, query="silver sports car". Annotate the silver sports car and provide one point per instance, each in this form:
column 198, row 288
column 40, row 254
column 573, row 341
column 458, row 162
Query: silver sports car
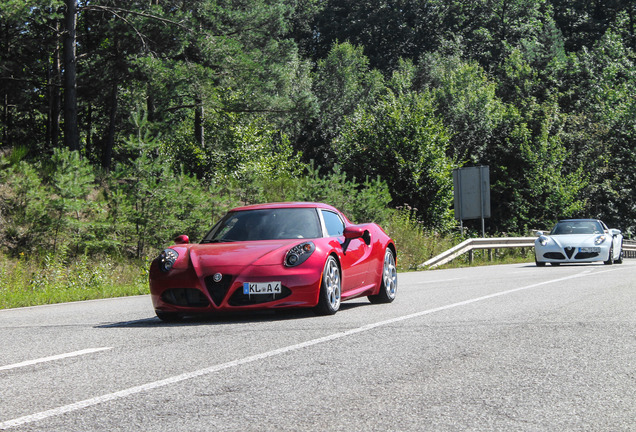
column 579, row 241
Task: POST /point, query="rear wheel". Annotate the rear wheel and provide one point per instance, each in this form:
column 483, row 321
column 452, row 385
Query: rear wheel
column 330, row 287
column 388, row 284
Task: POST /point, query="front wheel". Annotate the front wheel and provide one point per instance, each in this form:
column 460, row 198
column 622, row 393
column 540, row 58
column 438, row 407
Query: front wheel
column 388, row 284
column 330, row 287
column 610, row 259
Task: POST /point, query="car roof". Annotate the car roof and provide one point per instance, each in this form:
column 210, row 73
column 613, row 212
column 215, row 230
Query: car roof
column 278, row 205
column 579, row 220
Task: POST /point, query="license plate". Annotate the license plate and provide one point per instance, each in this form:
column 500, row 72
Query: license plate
column 589, row 249
column 255, row 288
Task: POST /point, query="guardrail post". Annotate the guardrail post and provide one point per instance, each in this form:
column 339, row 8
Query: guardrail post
column 470, row 257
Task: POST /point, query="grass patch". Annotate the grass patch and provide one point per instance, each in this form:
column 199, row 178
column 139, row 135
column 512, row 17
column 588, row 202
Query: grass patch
column 52, row 279
column 414, row 243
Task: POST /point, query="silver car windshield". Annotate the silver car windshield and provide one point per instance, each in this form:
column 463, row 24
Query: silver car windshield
column 577, row 227
column 266, row 224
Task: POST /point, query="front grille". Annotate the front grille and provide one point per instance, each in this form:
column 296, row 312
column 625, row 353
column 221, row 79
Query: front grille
column 586, row 255
column 553, row 255
column 185, row 297
column 240, row 299
column 218, row 290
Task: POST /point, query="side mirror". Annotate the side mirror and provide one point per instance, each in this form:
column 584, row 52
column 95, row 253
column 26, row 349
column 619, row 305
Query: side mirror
column 539, row 233
column 615, row 232
column 182, row 239
column 353, row 232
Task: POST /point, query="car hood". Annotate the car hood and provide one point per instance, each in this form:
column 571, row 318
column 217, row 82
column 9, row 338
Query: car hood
column 574, row 239
column 239, row 254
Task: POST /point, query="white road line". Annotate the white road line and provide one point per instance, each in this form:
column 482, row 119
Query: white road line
column 437, row 281
column 53, row 358
column 216, row 368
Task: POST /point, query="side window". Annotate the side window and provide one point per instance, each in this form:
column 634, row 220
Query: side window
column 333, row 223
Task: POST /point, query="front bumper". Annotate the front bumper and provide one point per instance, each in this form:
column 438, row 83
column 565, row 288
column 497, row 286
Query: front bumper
column 554, row 253
column 185, row 292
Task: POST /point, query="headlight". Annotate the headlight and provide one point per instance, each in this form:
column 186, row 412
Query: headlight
column 299, row 254
column 167, row 258
column 600, row 239
column 544, row 240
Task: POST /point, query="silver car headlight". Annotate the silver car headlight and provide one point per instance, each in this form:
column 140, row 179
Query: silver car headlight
column 544, row 240
column 600, row 239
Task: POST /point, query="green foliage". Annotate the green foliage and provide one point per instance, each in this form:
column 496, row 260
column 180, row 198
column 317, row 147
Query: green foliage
column 253, row 155
column 402, row 141
column 72, row 179
column 150, row 203
column 539, row 183
column 465, row 98
column 24, row 208
column 343, row 83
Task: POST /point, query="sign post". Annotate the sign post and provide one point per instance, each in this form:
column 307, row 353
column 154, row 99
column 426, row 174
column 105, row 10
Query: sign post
column 472, row 195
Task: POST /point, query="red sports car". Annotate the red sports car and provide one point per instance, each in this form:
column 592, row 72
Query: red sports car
column 273, row 256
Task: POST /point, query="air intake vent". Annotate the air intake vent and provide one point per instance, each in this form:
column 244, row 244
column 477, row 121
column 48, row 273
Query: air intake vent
column 219, row 289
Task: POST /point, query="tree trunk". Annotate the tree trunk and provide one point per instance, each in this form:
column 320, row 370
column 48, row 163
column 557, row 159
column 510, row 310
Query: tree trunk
column 107, row 151
column 199, row 116
column 89, row 128
column 631, row 12
column 5, row 120
column 150, row 103
column 71, row 134
column 53, row 134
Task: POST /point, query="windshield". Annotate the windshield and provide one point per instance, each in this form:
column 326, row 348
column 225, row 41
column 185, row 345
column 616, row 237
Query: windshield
column 577, row 227
column 266, row 224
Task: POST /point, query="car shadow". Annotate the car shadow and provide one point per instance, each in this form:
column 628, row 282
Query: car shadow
column 230, row 318
column 567, row 264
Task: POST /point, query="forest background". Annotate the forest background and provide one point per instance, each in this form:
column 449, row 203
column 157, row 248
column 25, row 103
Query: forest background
column 125, row 123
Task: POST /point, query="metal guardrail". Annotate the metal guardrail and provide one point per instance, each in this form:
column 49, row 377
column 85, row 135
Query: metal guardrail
column 629, row 248
column 478, row 243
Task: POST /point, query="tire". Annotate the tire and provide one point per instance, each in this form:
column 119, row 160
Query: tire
column 330, row 289
column 539, row 263
column 388, row 283
column 169, row 317
column 620, row 257
column 555, row 264
column 610, row 258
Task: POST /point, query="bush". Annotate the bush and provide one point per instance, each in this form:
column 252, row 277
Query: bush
column 402, row 141
column 414, row 243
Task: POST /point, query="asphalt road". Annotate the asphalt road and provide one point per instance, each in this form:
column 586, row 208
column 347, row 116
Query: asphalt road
column 502, row 348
